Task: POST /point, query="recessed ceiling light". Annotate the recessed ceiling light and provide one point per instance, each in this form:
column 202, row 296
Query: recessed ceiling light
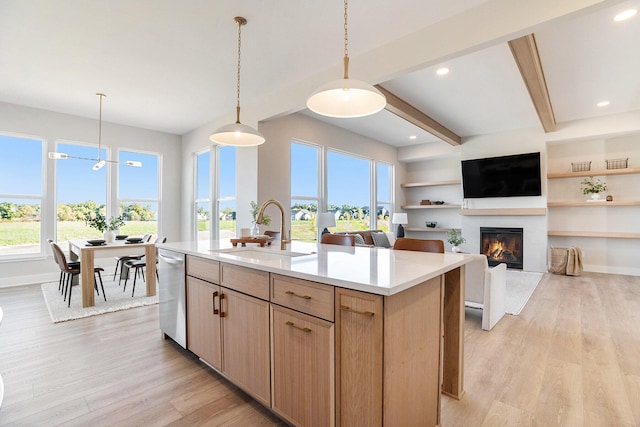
column 442, row 71
column 622, row 16
column 412, row 137
column 603, row 103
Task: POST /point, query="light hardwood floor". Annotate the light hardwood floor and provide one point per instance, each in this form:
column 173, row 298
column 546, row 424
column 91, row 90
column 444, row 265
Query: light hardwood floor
column 571, row 358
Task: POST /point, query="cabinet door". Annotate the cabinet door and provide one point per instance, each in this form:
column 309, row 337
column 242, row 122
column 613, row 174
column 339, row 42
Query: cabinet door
column 203, row 324
column 303, row 368
column 245, row 336
column 359, row 332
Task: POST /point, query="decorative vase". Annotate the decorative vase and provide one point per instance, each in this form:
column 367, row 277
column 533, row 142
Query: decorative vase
column 455, row 249
column 109, row 236
column 255, row 230
column 595, row 196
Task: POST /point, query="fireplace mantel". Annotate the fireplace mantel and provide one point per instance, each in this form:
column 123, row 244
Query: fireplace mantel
column 505, row 212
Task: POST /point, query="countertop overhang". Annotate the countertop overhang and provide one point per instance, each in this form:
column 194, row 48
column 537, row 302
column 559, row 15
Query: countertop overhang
column 375, row 270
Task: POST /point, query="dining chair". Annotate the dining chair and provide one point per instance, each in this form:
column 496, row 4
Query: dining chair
column 71, row 264
column 408, row 244
column 120, row 260
column 70, row 272
column 138, row 265
column 338, row 239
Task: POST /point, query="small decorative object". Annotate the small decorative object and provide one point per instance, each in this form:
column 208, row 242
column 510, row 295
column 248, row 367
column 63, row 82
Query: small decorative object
column 425, row 202
column 399, row 218
column 454, row 240
column 324, row 220
column 106, row 226
column 431, row 224
column 266, row 219
column 593, row 187
column 438, row 202
column 617, row 163
column 580, row 166
column 609, row 198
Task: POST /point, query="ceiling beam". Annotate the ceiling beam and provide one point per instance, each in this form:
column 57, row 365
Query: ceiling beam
column 525, row 53
column 411, row 114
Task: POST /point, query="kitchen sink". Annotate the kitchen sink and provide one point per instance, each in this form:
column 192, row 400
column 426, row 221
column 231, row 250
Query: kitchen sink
column 259, row 254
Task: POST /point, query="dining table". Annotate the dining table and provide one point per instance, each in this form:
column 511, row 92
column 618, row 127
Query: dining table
column 85, row 252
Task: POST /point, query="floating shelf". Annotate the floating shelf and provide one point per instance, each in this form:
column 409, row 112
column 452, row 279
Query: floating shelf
column 431, row 230
column 604, row 234
column 505, row 212
column 594, row 204
column 601, row 172
column 445, row 206
column 430, row 183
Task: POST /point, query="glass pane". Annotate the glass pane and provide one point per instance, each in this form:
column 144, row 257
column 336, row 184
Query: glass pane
column 80, row 191
column 348, row 189
column 227, row 200
column 384, row 216
column 138, row 183
column 20, row 166
column 303, row 220
column 203, row 217
column 19, row 226
column 202, row 176
column 383, row 175
column 304, row 170
column 140, row 218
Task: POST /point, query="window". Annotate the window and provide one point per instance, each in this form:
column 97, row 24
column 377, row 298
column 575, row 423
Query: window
column 349, row 190
column 21, row 195
column 203, row 195
column 305, row 189
column 139, row 193
column 79, row 191
column 384, row 190
column 226, row 192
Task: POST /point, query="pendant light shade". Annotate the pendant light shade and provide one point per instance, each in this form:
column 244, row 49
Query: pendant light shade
column 236, row 133
column 346, row 98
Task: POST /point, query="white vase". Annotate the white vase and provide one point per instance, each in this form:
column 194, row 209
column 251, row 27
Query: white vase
column 595, row 196
column 109, row 236
column 455, row 249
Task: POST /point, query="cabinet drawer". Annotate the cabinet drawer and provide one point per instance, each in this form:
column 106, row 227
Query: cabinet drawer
column 245, row 280
column 308, row 297
column 203, row 268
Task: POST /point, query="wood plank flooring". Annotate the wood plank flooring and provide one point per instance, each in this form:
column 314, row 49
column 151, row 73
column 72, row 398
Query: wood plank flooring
column 571, row 358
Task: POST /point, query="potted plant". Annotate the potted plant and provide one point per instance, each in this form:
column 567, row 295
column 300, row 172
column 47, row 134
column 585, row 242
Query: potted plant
column 454, row 240
column 106, row 226
column 266, row 219
column 593, row 187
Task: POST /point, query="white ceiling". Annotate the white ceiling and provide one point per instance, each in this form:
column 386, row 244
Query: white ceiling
column 171, row 66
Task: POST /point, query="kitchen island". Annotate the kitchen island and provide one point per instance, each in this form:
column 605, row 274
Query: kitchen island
column 330, row 335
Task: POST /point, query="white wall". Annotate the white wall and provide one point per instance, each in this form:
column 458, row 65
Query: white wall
column 52, row 126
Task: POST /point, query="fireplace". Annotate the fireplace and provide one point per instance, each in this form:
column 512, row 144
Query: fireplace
column 502, row 245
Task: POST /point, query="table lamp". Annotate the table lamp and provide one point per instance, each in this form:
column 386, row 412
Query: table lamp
column 399, row 218
column 324, row 220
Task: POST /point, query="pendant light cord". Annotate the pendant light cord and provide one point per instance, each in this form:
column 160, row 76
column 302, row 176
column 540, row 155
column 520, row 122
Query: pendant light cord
column 101, row 95
column 346, row 43
column 240, row 21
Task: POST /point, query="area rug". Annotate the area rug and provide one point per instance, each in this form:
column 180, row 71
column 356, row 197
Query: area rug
column 520, row 287
column 116, row 300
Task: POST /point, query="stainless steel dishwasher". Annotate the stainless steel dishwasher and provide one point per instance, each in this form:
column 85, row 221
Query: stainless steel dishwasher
column 172, row 295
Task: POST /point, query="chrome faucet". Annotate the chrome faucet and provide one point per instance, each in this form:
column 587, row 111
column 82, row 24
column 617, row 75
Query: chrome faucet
column 283, row 239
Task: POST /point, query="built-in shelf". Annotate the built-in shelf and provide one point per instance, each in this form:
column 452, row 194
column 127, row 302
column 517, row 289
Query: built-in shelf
column 430, row 183
column 505, row 212
column 601, row 172
column 593, row 204
column 445, row 206
column 604, row 234
column 431, row 230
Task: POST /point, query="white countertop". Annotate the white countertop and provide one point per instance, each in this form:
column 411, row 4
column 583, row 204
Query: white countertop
column 375, row 270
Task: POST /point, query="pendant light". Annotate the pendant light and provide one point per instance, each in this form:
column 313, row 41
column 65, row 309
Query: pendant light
column 346, row 98
column 99, row 161
column 236, row 133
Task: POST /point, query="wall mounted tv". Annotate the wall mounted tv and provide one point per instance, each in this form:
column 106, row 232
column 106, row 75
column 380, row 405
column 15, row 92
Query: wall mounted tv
column 506, row 176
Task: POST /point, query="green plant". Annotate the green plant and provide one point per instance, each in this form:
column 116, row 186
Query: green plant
column 255, row 209
column 453, row 238
column 102, row 224
column 593, row 186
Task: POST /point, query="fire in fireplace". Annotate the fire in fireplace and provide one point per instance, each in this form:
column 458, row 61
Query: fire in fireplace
column 502, row 245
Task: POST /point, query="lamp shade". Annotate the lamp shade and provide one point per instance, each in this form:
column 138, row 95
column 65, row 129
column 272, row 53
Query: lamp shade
column 325, row 219
column 346, row 98
column 399, row 218
column 237, row 134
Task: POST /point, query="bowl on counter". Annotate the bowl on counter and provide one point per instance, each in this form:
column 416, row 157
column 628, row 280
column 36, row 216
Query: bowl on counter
column 431, row 224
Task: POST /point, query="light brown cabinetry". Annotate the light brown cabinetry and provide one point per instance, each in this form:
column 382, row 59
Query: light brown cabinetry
column 203, row 321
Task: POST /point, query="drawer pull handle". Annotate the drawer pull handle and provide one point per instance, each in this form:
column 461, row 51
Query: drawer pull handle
column 293, row 325
column 293, row 294
column 364, row 313
column 215, row 310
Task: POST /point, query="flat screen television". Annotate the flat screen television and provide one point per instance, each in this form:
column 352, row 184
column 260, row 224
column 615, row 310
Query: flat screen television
column 506, row 176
